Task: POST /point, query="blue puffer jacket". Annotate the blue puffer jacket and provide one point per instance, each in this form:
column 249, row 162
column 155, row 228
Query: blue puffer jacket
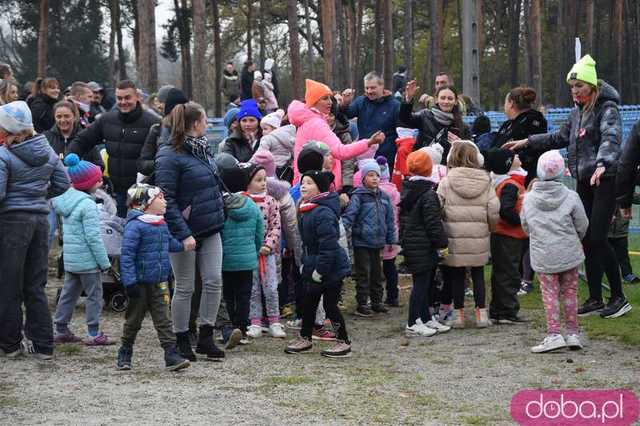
column 369, row 215
column 320, row 233
column 145, row 251
column 191, row 187
column 381, row 114
column 30, row 172
column 83, row 247
column 243, row 234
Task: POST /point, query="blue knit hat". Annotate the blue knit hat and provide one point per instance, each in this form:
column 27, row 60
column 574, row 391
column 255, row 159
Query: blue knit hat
column 230, row 116
column 15, row 117
column 83, row 174
column 367, row 166
column 249, row 108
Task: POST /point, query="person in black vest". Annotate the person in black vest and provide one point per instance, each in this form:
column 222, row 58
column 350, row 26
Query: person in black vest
column 124, row 132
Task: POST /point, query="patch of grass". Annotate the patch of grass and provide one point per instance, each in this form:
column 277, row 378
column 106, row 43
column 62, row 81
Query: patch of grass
column 476, row 420
column 69, row 349
column 289, row 380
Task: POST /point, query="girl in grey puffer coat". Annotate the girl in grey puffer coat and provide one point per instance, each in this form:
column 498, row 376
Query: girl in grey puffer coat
column 556, row 222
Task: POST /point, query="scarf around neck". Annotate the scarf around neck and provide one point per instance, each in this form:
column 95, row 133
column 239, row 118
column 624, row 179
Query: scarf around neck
column 199, row 146
column 444, row 118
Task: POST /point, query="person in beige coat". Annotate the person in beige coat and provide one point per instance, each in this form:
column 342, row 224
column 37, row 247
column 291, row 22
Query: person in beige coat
column 470, row 213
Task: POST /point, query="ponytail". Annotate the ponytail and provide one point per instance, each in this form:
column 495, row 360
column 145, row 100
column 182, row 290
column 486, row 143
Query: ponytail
column 44, row 83
column 181, row 120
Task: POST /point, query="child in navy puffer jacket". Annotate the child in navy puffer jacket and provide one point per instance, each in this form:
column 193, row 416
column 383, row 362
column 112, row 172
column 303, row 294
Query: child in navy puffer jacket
column 325, row 263
column 369, row 216
column 145, row 269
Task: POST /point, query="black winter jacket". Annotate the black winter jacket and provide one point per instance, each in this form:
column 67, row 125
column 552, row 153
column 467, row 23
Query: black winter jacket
column 239, row 147
column 429, row 129
column 246, row 83
column 593, row 138
column 627, row 177
column 60, row 144
column 191, row 187
column 42, row 112
column 124, row 135
column 421, row 229
column 528, row 123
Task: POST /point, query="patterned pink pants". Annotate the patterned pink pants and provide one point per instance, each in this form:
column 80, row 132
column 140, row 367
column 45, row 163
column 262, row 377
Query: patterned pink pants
column 560, row 287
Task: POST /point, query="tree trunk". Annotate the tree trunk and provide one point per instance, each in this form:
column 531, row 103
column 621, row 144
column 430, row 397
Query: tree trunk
column 136, row 31
column 122, row 63
column 350, row 18
column 328, row 17
column 199, row 74
column 480, row 21
column 388, row 62
column 535, row 46
column 435, row 42
column 185, row 46
column 470, row 51
column 147, row 64
column 112, row 43
column 264, row 10
column 249, row 29
column 294, row 48
column 43, row 33
column 618, row 29
column 217, row 51
column 514, row 41
column 342, row 63
column 561, row 62
column 588, row 44
column 357, row 69
column 307, row 19
column 408, row 37
column 378, row 56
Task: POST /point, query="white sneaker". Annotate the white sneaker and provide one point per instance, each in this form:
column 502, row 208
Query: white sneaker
column 550, row 343
column 254, row 331
column 419, row 329
column 277, row 330
column 437, row 326
column 573, row 342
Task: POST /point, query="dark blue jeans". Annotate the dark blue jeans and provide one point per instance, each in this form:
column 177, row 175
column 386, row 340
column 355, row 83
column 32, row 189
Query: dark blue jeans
column 24, row 247
column 121, row 203
column 419, row 300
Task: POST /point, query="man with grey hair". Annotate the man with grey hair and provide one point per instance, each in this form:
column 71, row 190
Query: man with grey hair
column 376, row 110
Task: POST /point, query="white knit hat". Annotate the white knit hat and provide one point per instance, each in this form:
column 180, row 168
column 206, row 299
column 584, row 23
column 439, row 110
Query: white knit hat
column 434, row 151
column 15, row 117
column 274, row 119
column 257, row 75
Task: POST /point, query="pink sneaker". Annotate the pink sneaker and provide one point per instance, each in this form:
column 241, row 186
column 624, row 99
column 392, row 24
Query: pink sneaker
column 100, row 340
column 323, row 334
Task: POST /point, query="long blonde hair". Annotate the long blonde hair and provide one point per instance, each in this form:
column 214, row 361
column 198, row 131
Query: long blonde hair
column 595, row 92
column 463, row 154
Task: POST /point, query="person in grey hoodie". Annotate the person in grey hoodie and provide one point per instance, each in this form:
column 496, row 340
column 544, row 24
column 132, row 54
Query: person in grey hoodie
column 30, row 172
column 555, row 220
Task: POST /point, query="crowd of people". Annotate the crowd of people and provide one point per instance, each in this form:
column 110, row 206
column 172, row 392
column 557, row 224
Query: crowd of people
column 227, row 245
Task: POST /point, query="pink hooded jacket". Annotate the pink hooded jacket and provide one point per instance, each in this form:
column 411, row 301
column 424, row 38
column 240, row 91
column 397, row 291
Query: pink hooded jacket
column 312, row 126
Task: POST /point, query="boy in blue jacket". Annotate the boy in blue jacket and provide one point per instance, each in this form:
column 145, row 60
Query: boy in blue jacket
column 369, row 216
column 85, row 256
column 325, row 263
column 145, row 269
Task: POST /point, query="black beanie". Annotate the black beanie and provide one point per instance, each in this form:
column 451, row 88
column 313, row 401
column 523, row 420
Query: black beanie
column 323, row 180
column 252, row 170
column 310, row 158
column 235, row 178
column 174, row 97
column 499, row 160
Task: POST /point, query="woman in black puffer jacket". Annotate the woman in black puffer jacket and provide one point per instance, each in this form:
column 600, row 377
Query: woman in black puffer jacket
column 189, row 179
column 592, row 136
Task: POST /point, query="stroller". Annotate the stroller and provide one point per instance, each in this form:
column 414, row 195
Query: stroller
column 112, row 228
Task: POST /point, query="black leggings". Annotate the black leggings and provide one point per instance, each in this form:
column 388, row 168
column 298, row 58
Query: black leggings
column 455, row 275
column 600, row 204
column 330, row 293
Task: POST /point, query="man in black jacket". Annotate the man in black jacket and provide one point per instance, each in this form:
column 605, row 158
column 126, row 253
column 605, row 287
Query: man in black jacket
column 123, row 132
column 246, row 80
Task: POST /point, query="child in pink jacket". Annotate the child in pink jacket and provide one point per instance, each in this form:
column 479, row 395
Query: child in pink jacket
column 310, row 119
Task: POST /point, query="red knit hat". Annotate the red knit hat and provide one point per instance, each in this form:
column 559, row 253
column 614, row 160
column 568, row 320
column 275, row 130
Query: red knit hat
column 83, row 174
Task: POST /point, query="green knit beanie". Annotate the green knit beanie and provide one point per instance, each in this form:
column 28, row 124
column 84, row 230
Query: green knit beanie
column 584, row 70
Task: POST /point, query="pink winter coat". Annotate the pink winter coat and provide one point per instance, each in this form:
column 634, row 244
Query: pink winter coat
column 312, row 126
column 391, row 250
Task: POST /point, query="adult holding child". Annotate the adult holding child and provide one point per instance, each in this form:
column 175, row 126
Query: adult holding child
column 592, row 134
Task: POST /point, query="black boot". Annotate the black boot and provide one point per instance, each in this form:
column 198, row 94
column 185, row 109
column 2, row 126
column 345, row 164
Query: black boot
column 206, row 345
column 173, row 361
column 184, row 346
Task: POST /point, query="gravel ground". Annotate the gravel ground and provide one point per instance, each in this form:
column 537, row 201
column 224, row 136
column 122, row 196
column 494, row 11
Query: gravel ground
column 462, row 377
